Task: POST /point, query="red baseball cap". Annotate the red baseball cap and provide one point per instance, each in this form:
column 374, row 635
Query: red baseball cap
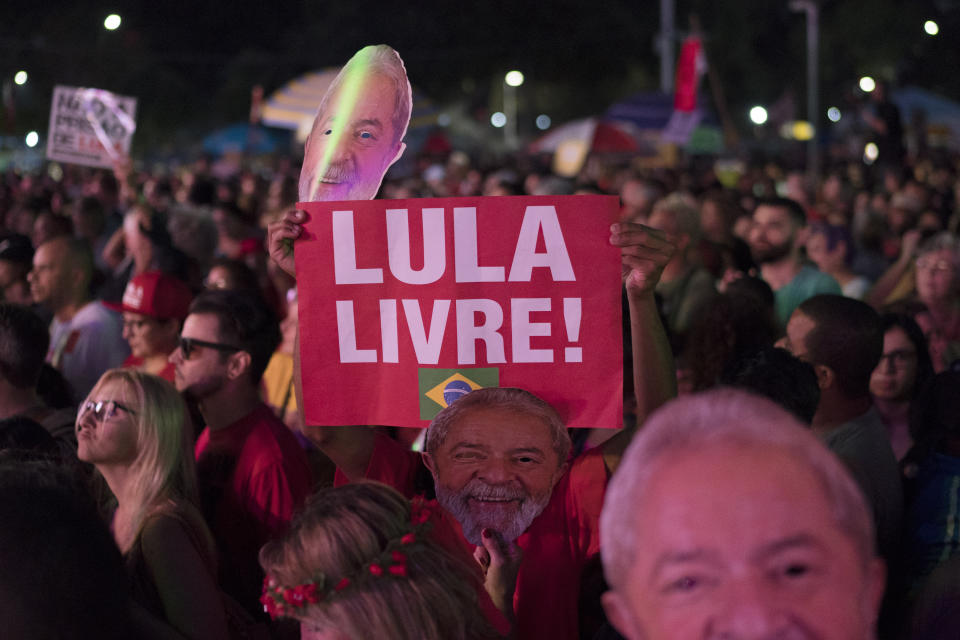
column 157, row 295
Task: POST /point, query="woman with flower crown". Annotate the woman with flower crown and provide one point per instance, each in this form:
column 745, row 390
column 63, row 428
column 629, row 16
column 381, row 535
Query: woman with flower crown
column 361, row 561
column 132, row 428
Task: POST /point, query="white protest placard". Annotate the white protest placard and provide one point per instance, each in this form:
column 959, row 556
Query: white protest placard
column 92, row 127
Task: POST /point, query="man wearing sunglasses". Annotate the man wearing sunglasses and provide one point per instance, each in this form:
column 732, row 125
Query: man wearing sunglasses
column 252, row 471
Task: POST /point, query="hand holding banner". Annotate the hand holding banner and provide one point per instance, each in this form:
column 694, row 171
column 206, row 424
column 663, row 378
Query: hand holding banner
column 406, row 304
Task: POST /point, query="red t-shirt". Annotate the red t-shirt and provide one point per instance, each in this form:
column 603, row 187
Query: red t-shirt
column 253, row 474
column 556, row 547
column 447, row 534
column 133, row 362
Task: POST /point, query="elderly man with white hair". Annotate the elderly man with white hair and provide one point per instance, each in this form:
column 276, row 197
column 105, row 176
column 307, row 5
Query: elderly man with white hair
column 728, row 519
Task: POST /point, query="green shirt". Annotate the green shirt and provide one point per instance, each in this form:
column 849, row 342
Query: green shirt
column 807, row 283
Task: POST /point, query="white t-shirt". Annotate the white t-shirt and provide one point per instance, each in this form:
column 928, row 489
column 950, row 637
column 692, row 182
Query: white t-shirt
column 86, row 346
column 856, row 288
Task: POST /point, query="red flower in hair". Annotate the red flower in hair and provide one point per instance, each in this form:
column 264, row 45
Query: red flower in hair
column 302, row 594
column 272, row 607
column 280, row 601
column 267, row 603
column 310, row 593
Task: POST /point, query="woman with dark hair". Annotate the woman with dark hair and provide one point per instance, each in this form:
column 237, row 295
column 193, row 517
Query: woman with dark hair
column 831, row 248
column 738, row 322
column 904, row 368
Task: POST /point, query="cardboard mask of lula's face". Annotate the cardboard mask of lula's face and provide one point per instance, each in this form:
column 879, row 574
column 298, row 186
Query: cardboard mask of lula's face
column 358, row 129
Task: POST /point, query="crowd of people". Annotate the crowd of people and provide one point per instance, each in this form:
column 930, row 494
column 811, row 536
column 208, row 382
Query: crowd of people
column 789, row 463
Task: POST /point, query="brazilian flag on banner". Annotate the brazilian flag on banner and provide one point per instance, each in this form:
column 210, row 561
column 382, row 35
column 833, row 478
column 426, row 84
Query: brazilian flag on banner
column 441, row 387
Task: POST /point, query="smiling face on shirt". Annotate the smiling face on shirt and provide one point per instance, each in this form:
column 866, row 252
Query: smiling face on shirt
column 496, row 469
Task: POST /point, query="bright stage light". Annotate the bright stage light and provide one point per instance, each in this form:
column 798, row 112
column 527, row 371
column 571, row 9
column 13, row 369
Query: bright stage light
column 758, row 115
column 513, row 78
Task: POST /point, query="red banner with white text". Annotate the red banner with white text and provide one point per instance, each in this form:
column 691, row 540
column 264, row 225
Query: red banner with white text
column 407, row 304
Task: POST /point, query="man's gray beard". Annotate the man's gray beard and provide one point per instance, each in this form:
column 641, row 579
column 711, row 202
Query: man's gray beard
column 343, row 173
column 457, row 504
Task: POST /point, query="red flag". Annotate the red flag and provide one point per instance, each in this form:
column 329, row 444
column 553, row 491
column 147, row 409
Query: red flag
column 686, row 116
column 689, row 69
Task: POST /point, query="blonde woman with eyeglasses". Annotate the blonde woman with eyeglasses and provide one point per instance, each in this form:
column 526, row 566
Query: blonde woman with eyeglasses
column 132, row 428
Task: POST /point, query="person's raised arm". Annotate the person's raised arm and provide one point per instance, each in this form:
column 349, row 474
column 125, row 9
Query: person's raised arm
column 877, row 295
column 645, row 251
column 350, row 448
column 114, row 251
column 280, row 238
column 126, row 181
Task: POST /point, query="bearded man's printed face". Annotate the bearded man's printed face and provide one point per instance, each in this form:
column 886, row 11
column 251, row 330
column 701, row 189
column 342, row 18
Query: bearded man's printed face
column 496, row 469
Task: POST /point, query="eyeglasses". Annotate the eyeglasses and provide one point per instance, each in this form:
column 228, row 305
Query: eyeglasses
column 187, row 345
column 899, row 358
column 934, row 265
column 103, row 409
column 210, row 283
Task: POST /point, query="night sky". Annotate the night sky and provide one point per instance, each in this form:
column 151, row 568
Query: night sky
column 192, row 64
